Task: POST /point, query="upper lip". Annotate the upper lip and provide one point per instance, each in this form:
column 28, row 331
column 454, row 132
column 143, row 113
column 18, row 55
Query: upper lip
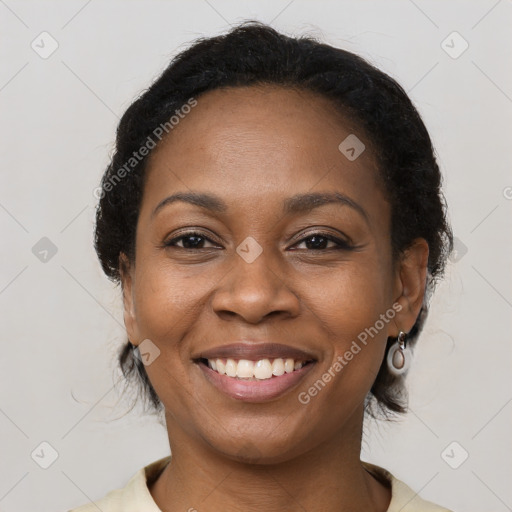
column 255, row 351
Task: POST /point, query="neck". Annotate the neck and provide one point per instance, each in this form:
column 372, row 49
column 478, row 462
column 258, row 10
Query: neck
column 329, row 478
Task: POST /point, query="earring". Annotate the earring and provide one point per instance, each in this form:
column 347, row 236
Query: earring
column 399, row 357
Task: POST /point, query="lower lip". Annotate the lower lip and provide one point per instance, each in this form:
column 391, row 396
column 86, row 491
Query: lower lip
column 255, row 390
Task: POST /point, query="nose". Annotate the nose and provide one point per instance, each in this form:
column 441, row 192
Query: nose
column 253, row 291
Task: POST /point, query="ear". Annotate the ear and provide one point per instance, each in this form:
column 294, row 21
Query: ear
column 410, row 284
column 127, row 274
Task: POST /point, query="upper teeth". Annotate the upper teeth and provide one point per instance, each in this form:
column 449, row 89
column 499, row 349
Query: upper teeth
column 262, row 369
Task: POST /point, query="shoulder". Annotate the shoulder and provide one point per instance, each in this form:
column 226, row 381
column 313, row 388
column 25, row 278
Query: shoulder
column 134, row 496
column 403, row 498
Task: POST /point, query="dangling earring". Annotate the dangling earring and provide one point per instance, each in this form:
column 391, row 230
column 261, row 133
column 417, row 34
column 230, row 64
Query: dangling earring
column 399, row 358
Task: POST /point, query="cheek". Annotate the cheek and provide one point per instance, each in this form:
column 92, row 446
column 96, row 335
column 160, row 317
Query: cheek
column 355, row 309
column 166, row 306
column 166, row 301
column 350, row 300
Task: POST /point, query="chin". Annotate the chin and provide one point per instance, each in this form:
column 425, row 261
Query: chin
column 259, row 447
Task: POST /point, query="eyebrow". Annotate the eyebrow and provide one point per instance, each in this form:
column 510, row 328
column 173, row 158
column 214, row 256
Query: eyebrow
column 299, row 203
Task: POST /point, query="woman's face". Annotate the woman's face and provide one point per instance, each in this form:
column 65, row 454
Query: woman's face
column 261, row 269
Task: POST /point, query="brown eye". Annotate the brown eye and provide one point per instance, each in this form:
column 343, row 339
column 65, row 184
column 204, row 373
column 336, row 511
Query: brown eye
column 319, row 241
column 190, row 240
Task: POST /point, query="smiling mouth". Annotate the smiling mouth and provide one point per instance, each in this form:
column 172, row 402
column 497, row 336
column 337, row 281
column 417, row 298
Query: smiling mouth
column 249, row 370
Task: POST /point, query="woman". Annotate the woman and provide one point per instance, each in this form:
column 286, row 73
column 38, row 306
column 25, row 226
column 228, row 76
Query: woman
column 274, row 216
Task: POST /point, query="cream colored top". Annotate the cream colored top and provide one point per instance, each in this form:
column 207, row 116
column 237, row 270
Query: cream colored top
column 135, row 496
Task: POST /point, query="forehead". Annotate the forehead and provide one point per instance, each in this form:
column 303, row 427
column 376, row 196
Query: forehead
column 254, row 143
column 283, row 118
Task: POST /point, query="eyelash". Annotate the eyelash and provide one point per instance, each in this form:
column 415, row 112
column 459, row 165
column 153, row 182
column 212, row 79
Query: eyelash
column 342, row 245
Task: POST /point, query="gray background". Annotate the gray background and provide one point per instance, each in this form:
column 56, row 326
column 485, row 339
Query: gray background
column 61, row 319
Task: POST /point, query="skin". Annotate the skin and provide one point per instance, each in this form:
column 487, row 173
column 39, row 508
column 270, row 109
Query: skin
column 254, row 147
